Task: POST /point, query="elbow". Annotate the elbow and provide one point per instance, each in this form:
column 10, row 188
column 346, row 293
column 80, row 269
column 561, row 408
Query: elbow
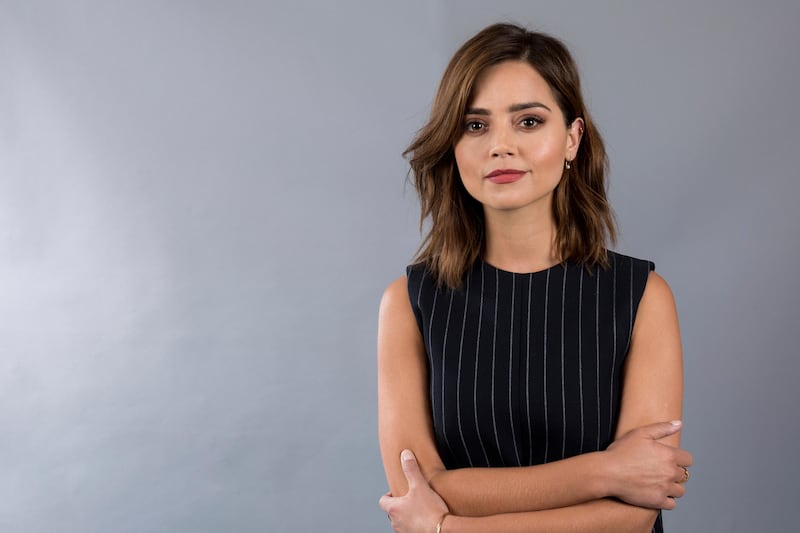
column 440, row 482
column 643, row 521
column 437, row 480
column 626, row 518
column 454, row 489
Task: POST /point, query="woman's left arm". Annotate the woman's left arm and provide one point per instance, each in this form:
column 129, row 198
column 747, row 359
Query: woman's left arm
column 652, row 391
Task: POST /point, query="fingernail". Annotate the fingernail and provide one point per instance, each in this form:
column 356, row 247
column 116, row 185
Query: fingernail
column 676, row 423
column 406, row 455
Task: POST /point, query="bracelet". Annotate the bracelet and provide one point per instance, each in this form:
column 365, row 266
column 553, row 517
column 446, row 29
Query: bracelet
column 441, row 521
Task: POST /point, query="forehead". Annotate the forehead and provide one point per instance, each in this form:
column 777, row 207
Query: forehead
column 508, row 83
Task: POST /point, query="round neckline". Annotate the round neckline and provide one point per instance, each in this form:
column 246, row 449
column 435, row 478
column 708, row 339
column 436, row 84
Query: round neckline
column 535, row 272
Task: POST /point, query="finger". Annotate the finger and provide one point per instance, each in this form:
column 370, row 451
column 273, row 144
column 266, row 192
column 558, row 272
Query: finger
column 669, row 504
column 683, row 474
column 411, row 469
column 386, row 502
column 683, row 458
column 678, row 490
column 660, row 430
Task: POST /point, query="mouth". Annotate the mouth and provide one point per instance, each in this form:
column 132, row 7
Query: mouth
column 504, row 175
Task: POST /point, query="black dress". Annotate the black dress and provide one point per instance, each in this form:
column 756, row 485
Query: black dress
column 525, row 369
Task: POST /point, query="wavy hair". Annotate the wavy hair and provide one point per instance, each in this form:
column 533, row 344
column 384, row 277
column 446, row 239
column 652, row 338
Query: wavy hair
column 456, row 236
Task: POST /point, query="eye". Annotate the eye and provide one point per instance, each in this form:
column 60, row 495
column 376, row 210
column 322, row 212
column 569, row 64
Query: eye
column 530, row 122
column 474, row 126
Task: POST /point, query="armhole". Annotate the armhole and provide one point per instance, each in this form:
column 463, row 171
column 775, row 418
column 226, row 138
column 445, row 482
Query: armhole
column 640, row 273
column 415, row 278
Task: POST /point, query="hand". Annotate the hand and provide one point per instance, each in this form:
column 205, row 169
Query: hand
column 646, row 472
column 421, row 508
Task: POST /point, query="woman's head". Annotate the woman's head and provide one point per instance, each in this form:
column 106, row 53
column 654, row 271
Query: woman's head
column 583, row 219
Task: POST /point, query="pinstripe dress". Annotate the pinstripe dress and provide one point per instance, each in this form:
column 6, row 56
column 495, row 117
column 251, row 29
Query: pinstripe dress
column 525, row 369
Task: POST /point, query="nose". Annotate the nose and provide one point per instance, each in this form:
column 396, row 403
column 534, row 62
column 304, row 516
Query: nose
column 502, row 142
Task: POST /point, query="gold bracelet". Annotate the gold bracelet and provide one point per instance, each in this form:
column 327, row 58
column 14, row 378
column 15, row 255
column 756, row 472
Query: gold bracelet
column 441, row 521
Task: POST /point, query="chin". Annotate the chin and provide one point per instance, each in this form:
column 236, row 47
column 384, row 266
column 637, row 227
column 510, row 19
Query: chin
column 516, row 203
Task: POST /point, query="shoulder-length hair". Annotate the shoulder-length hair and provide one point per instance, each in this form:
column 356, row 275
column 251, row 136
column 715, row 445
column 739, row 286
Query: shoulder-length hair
column 456, row 237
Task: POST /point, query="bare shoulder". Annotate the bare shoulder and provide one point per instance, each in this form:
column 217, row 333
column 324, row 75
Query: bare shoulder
column 397, row 325
column 395, row 309
column 657, row 317
column 657, row 289
column 395, row 295
column 657, row 304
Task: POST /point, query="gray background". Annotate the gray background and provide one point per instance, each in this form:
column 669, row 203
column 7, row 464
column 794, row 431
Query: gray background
column 201, row 203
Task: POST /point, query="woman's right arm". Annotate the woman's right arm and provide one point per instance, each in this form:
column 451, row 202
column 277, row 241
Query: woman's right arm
column 405, row 423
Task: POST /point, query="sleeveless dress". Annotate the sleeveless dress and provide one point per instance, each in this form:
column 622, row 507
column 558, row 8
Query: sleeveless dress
column 525, row 369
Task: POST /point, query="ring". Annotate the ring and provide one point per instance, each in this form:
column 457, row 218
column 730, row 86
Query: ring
column 686, row 475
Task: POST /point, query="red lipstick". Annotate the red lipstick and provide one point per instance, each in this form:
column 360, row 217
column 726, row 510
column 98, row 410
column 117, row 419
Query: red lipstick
column 504, row 175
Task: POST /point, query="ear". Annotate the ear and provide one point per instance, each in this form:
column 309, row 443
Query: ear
column 574, row 136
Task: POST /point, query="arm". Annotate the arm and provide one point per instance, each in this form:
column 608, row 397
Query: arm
column 421, row 508
column 652, row 390
column 404, row 422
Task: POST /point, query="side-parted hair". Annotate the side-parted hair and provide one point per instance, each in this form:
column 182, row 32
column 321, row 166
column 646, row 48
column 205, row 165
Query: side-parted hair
column 456, row 237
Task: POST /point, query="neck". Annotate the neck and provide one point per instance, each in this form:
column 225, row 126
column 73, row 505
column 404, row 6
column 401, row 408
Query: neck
column 520, row 243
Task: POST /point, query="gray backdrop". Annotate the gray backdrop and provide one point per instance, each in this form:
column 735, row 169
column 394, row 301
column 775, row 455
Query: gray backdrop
column 201, row 203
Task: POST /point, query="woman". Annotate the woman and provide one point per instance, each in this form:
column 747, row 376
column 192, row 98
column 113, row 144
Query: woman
column 527, row 374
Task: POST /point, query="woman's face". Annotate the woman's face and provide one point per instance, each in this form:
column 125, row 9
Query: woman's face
column 514, row 143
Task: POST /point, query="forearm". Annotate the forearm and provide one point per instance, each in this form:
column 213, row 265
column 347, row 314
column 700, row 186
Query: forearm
column 491, row 491
column 599, row 516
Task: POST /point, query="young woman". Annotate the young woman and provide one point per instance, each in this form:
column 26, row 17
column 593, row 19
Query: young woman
column 530, row 378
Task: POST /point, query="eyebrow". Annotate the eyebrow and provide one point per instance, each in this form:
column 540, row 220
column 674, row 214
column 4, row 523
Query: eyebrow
column 512, row 109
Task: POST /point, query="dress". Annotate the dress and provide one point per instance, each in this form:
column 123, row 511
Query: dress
column 525, row 369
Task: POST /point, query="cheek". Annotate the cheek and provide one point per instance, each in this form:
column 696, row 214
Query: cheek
column 551, row 152
column 464, row 163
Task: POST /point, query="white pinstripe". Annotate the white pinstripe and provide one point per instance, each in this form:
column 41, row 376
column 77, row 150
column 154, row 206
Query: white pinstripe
column 597, row 345
column 614, row 350
column 511, row 368
column 475, row 385
column 458, row 380
column 444, row 357
column 494, row 350
column 546, row 425
column 580, row 351
column 528, row 371
column 563, row 391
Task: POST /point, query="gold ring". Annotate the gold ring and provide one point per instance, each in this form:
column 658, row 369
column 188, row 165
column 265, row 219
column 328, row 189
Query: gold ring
column 686, row 475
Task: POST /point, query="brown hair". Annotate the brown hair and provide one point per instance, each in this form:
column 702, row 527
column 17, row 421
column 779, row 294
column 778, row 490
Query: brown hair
column 456, row 238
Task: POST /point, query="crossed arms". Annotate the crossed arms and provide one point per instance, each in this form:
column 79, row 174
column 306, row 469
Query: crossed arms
column 619, row 489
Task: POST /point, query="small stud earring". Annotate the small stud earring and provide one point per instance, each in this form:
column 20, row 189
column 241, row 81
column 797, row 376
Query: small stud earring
column 567, row 164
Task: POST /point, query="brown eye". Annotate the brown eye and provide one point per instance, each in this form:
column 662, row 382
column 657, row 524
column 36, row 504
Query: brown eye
column 474, row 126
column 530, row 122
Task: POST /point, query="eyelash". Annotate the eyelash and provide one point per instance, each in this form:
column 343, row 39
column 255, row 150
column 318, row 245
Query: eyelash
column 537, row 120
column 470, row 125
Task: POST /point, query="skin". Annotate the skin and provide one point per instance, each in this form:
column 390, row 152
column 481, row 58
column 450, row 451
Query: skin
column 502, row 130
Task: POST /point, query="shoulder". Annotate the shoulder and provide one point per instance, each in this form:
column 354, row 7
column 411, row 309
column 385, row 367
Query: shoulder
column 396, row 294
column 629, row 275
column 396, row 301
column 397, row 322
column 652, row 288
column 657, row 300
column 618, row 260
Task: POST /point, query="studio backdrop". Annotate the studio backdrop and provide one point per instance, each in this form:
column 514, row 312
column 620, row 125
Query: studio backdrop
column 202, row 202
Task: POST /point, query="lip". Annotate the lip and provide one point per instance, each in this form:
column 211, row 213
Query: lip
column 504, row 175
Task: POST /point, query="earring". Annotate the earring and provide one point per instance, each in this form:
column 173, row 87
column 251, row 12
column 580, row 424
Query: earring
column 567, row 164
